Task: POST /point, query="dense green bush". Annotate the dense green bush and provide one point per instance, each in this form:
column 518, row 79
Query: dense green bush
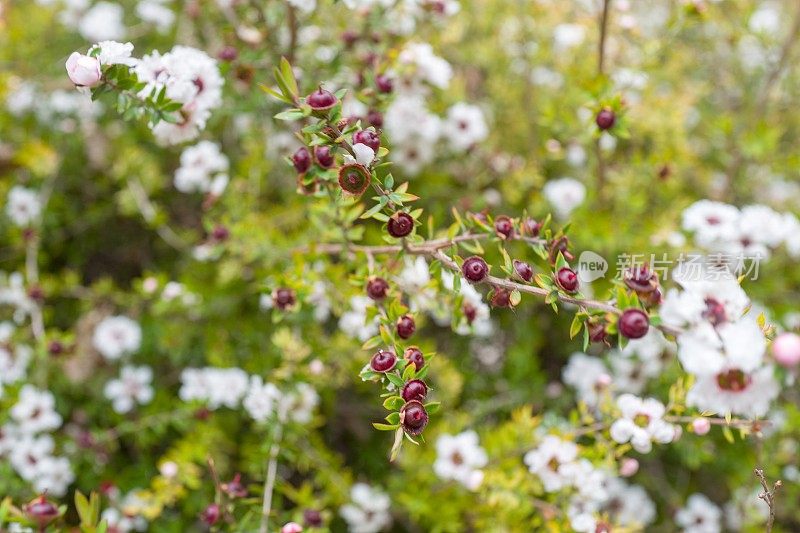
column 333, row 265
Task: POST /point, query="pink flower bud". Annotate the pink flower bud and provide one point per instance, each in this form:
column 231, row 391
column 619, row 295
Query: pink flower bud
column 628, row 467
column 786, row 349
column 84, row 71
column 701, row 426
column 292, row 527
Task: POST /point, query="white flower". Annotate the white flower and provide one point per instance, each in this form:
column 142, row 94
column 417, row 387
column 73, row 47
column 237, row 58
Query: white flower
column 369, row 510
column 460, row 458
column 304, row 6
column 546, row 461
column 568, row 35
column 116, row 336
column 102, row 22
column 465, row 126
column 155, row 12
column 766, row 19
column 364, row 154
column 301, row 403
column 35, row 410
column 27, row 452
column 430, row 68
column 132, row 387
column 199, row 166
column 629, row 505
column 641, row 423
column 587, row 375
column 53, row 475
column 564, row 195
column 699, row 516
column 711, row 221
column 14, row 294
column 113, row 53
column 216, row 386
column 707, row 350
column 83, row 71
column 23, row 206
column 354, row 322
column 736, row 392
column 261, row 399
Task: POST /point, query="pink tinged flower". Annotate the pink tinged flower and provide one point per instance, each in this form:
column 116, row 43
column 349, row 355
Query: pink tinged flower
column 83, row 71
column 292, row 527
column 786, row 349
column 628, row 467
column 701, row 426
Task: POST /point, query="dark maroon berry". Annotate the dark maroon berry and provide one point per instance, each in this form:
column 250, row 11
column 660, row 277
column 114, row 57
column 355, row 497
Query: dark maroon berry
column 384, row 83
column 324, row 156
column 42, row 511
column 597, row 331
column 501, row 298
column 235, row 488
column 368, row 137
column 523, row 270
column 210, row 514
column 605, row 119
column 634, row 323
column 416, row 389
column 559, row 245
column 228, row 53
column 414, row 356
column 400, row 224
column 475, row 269
column 640, row 279
column 406, row 326
column 376, row 288
column 283, row 298
column 321, row 100
column 413, row 417
column 55, row 348
column 383, row 361
column 567, row 279
column 354, row 179
column 220, row 233
column 301, row 160
column 504, row 227
column 312, row 518
column 531, row 228
column 375, row 118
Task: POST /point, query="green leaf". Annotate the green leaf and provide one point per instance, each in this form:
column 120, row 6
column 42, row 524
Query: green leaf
column 433, row 407
column 288, row 76
column 290, row 115
column 393, row 402
column 409, row 372
column 384, row 427
column 393, row 418
column 395, row 380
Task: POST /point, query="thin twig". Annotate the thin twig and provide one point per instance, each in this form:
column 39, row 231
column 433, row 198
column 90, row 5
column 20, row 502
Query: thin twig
column 269, row 482
column 768, row 495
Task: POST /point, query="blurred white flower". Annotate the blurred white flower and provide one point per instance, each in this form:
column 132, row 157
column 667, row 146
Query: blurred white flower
column 460, row 458
column 132, row 387
column 116, row 336
column 369, row 510
column 23, row 206
column 700, row 515
column 564, row 195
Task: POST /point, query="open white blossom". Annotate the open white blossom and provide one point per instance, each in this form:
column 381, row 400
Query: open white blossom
column 700, row 515
column 546, row 461
column 103, row 22
column 217, row 387
column 116, row 336
column 460, row 458
column 642, row 423
column 132, row 387
column 23, row 206
column 465, row 126
column 564, row 195
column 368, row 511
column 201, row 165
column 35, row 410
